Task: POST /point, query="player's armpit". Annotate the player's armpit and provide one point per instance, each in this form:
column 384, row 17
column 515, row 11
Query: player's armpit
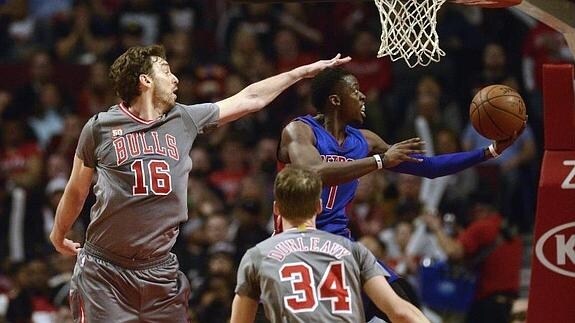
column 243, row 309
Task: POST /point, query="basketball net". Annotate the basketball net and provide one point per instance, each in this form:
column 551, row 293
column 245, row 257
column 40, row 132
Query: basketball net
column 408, row 31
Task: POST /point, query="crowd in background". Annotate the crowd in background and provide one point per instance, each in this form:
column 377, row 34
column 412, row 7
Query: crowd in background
column 54, row 58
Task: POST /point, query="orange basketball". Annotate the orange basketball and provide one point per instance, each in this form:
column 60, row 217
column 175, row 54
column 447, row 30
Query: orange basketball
column 497, row 111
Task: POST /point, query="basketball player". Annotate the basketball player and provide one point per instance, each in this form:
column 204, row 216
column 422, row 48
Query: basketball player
column 329, row 145
column 308, row 275
column 140, row 151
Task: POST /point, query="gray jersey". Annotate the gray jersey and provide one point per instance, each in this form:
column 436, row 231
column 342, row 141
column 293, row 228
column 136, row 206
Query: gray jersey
column 308, row 276
column 143, row 169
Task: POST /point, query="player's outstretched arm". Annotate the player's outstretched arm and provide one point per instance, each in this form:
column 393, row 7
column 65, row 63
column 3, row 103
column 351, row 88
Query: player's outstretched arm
column 297, row 148
column 257, row 95
column 396, row 308
column 70, row 206
column 243, row 309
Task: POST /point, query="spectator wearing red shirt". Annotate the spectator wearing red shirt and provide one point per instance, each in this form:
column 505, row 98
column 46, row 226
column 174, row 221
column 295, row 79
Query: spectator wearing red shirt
column 498, row 272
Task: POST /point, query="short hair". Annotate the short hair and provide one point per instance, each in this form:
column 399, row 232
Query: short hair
column 297, row 192
column 126, row 70
column 324, row 84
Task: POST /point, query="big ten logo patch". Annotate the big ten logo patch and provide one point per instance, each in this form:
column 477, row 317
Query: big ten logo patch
column 555, row 249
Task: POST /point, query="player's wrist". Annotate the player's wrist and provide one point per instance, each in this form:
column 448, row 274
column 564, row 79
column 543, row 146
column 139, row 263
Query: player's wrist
column 379, row 161
column 492, row 151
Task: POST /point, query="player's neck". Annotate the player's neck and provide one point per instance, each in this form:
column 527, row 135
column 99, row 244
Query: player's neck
column 144, row 108
column 335, row 126
column 309, row 224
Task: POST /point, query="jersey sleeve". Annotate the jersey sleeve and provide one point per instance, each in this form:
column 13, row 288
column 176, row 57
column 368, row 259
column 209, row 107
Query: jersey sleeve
column 87, row 144
column 247, row 277
column 368, row 265
column 202, row 116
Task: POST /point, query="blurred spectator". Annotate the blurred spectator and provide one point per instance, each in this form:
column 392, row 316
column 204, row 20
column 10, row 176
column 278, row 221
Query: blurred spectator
column 215, row 299
column 96, row 95
column 295, row 17
column 22, row 235
column 32, row 300
column 498, row 272
column 5, row 100
column 513, row 176
column 288, row 51
column 57, row 166
column 460, row 185
column 28, row 96
column 396, row 239
column 246, row 57
column 227, row 177
column 369, row 212
column 146, row 15
column 65, row 143
column 21, row 157
column 495, row 69
column 84, row 34
column 47, row 119
column 180, row 50
column 248, row 226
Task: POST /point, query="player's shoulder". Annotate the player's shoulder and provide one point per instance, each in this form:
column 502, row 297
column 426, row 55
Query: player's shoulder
column 298, row 128
column 208, row 105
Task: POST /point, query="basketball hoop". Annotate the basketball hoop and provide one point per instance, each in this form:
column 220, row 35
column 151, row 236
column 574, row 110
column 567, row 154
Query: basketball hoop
column 408, row 28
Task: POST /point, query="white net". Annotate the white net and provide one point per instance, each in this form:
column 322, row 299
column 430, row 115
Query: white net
column 408, row 31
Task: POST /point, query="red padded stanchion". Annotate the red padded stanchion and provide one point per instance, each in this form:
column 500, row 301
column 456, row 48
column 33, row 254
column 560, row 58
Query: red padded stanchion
column 552, row 288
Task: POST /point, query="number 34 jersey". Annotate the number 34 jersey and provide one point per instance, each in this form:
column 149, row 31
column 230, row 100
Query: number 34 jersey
column 142, row 172
column 308, row 276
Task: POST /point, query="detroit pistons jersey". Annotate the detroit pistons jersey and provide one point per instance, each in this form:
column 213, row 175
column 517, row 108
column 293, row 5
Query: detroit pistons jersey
column 308, row 276
column 142, row 172
column 336, row 198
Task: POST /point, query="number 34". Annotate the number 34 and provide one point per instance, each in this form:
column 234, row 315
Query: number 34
column 305, row 296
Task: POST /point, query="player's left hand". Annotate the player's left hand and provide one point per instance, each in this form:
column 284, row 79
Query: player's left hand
column 313, row 69
column 501, row 145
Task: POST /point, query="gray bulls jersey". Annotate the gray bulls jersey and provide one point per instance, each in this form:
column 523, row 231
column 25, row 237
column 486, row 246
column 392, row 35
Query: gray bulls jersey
column 143, row 168
column 308, row 276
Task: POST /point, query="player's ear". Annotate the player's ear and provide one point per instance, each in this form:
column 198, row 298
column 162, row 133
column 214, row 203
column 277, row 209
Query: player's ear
column 276, row 208
column 145, row 79
column 334, row 99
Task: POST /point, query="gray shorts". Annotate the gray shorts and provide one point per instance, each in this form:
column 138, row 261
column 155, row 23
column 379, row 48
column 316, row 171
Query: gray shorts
column 102, row 290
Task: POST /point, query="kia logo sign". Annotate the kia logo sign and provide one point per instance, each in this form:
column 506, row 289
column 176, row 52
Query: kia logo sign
column 556, row 249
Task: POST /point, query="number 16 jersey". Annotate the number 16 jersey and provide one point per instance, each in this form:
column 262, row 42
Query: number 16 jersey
column 142, row 172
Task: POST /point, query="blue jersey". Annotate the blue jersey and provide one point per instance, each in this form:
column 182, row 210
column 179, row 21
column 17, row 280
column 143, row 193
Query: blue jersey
column 335, row 199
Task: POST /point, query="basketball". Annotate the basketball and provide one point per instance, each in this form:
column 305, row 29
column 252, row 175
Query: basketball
column 497, row 111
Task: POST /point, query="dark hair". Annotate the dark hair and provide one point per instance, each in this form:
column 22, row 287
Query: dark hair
column 324, row 84
column 297, row 192
column 126, row 70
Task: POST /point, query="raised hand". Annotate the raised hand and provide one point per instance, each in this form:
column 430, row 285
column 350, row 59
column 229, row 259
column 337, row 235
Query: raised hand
column 313, row 69
column 403, row 151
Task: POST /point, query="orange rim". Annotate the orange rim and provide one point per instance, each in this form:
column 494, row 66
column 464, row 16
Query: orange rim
column 488, row 3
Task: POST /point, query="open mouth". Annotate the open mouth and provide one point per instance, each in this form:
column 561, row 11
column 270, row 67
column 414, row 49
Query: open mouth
column 363, row 111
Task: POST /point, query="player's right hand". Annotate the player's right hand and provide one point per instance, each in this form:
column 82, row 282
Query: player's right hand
column 403, row 151
column 65, row 246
